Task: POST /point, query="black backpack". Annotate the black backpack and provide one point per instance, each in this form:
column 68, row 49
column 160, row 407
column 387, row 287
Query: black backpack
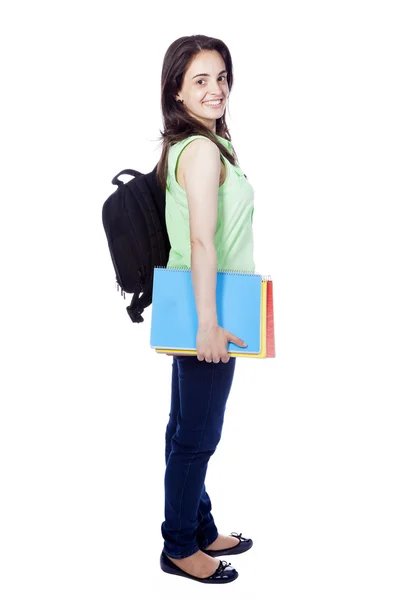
column 134, row 222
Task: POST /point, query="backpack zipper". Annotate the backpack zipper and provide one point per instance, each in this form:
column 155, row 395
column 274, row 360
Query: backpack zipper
column 119, row 288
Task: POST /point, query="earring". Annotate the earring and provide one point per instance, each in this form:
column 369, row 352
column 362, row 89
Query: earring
column 179, row 100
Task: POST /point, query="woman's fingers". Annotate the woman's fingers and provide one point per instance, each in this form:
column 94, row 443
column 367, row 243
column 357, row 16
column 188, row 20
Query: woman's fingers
column 213, row 347
column 236, row 340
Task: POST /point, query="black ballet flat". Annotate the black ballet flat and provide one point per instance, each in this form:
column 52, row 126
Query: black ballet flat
column 243, row 545
column 224, row 573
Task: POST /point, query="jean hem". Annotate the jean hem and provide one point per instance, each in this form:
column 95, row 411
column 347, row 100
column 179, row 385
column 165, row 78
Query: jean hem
column 182, row 555
column 208, row 543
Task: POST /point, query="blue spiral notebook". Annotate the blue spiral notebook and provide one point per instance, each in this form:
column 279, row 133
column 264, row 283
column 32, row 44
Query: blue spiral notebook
column 174, row 315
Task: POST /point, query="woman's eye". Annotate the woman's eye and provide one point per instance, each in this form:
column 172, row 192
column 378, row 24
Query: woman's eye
column 202, row 80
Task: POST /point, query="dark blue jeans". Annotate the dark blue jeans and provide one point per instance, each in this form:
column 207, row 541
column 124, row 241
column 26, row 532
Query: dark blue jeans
column 199, row 393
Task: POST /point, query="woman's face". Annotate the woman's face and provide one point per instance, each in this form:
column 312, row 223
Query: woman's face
column 205, row 80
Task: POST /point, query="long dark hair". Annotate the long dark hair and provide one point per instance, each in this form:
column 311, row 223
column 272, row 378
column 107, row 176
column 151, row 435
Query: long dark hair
column 178, row 123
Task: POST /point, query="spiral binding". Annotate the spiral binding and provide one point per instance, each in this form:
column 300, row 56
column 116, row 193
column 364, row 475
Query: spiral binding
column 229, row 271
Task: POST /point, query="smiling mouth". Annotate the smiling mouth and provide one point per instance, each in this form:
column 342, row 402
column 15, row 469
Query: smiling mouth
column 213, row 102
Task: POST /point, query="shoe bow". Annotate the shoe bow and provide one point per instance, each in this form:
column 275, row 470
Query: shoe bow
column 239, row 536
column 220, row 571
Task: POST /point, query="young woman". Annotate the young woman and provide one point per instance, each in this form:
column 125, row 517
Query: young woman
column 209, row 213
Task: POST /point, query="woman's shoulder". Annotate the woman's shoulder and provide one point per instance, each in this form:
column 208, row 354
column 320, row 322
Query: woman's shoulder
column 195, row 136
column 187, row 140
column 203, row 141
column 176, row 153
column 178, row 160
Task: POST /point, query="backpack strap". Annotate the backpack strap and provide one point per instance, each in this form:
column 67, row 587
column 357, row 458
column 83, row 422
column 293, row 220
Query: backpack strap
column 138, row 305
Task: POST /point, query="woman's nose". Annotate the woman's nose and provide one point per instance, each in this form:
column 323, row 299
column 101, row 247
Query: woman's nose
column 215, row 88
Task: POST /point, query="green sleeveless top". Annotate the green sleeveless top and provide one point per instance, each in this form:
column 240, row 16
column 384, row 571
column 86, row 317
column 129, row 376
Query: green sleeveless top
column 234, row 232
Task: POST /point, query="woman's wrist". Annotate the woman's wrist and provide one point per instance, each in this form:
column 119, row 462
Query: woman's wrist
column 207, row 323
column 204, row 270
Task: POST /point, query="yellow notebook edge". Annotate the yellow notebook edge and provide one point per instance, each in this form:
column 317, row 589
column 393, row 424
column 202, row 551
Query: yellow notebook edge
column 263, row 350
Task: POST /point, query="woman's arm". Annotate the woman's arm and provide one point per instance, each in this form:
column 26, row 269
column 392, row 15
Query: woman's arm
column 200, row 172
column 200, row 169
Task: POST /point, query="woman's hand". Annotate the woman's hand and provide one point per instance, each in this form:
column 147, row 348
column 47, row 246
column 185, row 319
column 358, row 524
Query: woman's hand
column 211, row 343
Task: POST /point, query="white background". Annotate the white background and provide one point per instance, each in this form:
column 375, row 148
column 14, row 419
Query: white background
column 308, row 464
